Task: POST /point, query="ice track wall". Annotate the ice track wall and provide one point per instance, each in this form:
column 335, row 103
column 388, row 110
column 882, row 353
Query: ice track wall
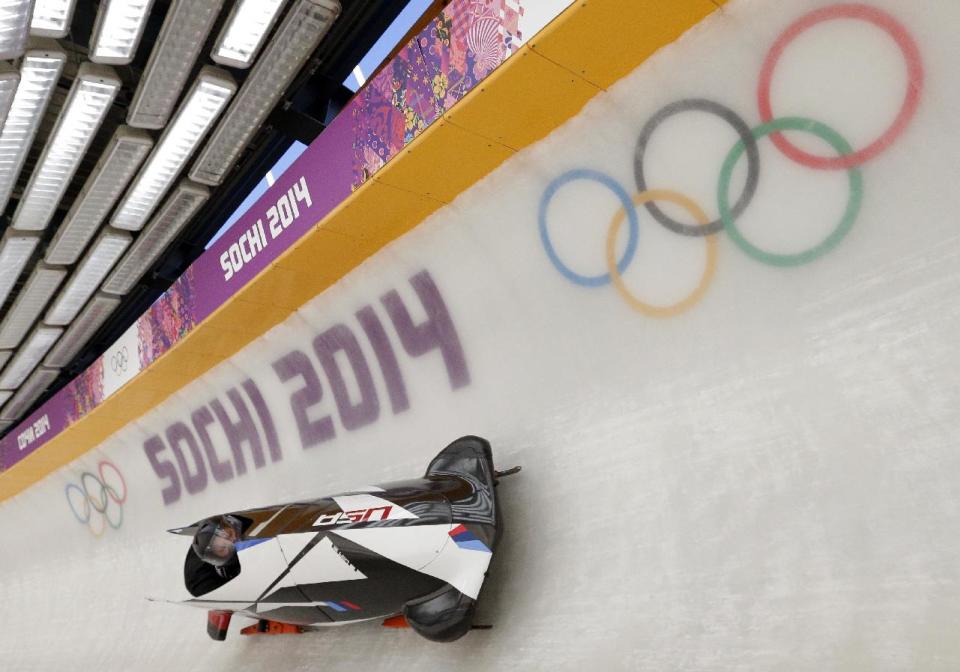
column 736, row 412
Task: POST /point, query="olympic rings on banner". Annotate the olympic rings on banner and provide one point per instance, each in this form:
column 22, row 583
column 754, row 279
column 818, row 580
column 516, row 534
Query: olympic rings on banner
column 620, row 192
column 911, row 55
column 709, row 268
column 119, row 360
column 96, row 495
column 850, row 214
column 846, row 158
column 746, row 139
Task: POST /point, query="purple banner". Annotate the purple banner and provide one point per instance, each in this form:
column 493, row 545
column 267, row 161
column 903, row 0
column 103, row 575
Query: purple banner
column 317, row 182
column 45, row 423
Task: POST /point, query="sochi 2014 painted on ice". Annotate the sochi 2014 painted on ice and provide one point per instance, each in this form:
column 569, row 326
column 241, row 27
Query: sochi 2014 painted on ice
column 184, row 455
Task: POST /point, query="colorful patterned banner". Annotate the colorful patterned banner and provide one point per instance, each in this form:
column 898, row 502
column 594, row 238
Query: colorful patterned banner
column 437, row 68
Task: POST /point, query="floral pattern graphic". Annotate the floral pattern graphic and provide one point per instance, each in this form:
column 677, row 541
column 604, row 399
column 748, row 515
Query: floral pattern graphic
column 168, row 320
column 86, row 391
column 449, row 57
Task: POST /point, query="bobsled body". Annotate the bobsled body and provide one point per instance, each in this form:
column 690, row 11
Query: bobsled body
column 420, row 548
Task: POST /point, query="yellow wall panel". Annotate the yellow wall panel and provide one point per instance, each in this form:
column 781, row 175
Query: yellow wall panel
column 222, row 319
column 443, row 161
column 603, row 40
column 381, row 214
column 213, row 341
column 283, row 287
column 168, row 373
column 144, row 399
column 70, row 445
column 321, row 253
column 255, row 317
column 522, row 101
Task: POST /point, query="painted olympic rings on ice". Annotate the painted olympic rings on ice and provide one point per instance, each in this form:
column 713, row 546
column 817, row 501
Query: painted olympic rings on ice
column 645, row 198
column 626, row 204
column 846, row 158
column 96, row 497
column 911, row 55
column 746, row 140
column 728, row 217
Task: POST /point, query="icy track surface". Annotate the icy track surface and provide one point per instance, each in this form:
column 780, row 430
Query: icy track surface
column 740, row 452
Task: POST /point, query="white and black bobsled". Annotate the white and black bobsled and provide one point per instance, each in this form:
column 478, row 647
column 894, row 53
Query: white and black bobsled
column 416, row 549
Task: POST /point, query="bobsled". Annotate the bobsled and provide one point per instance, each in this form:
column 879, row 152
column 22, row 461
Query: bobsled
column 414, row 551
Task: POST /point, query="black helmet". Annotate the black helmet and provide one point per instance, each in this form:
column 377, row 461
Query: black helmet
column 215, row 539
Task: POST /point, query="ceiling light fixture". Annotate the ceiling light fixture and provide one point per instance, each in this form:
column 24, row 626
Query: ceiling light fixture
column 117, row 30
column 86, row 107
column 31, row 301
column 39, row 382
column 39, row 73
column 88, row 276
column 82, row 329
column 29, row 356
column 179, row 208
column 210, row 94
column 15, row 251
column 14, row 28
column 9, row 81
column 182, row 36
column 296, row 39
column 244, row 32
column 117, row 165
column 51, row 18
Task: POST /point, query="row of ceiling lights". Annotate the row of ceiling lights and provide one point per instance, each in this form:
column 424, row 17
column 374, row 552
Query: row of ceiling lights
column 133, row 166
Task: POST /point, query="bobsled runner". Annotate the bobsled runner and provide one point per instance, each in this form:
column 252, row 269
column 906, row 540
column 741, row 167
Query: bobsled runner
column 415, row 550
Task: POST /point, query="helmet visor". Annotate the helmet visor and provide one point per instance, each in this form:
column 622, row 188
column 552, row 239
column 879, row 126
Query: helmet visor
column 220, row 549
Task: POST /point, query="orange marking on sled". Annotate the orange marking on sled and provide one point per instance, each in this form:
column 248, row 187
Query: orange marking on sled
column 267, row 627
column 396, row 622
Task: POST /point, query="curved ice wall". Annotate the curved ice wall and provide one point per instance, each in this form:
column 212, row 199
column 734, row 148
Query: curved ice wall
column 737, row 414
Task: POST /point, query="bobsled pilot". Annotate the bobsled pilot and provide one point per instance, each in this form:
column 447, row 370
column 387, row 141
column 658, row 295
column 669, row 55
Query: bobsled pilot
column 214, row 559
